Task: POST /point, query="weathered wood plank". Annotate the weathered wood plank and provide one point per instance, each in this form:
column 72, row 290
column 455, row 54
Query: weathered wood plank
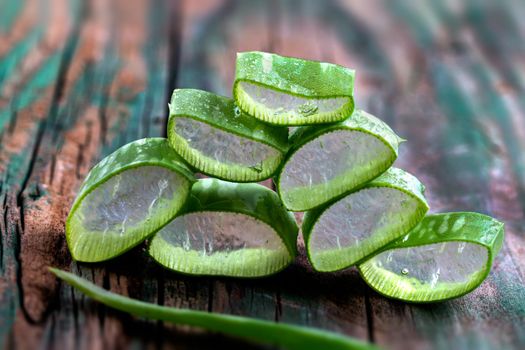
column 70, row 94
column 284, row 297
column 219, row 33
column 302, row 25
column 113, row 91
column 457, row 146
column 32, row 51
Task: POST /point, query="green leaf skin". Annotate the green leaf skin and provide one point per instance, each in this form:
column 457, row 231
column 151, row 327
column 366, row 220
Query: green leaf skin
column 280, row 334
column 468, row 230
column 93, row 246
column 220, row 113
column 216, row 196
column 309, row 80
column 339, row 258
column 308, row 197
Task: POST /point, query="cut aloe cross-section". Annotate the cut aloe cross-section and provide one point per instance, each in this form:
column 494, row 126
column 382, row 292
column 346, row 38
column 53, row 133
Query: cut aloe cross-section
column 217, row 139
column 292, row 91
column 343, row 233
column 326, row 162
column 228, row 229
column 445, row 256
column 126, row 197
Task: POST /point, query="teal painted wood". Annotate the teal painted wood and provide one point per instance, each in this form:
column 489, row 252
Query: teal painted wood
column 445, row 75
column 477, row 132
column 26, row 96
column 10, row 12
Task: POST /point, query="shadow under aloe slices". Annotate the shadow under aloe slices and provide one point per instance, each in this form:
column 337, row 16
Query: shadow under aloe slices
column 228, row 229
column 290, row 337
column 214, row 137
column 447, row 255
column 328, row 161
column 125, row 198
column 342, row 233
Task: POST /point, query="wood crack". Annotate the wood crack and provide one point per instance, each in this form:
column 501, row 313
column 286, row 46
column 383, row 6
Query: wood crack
column 210, row 295
column 161, row 300
column 278, row 307
column 174, row 53
column 52, row 167
column 14, row 117
column 3, row 232
column 369, row 316
column 102, row 116
column 21, row 195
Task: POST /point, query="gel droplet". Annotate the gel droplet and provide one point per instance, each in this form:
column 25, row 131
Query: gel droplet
column 307, row 109
column 257, row 167
column 237, row 112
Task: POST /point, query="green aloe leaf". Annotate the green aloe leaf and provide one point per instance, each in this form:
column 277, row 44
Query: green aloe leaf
column 216, row 138
column 342, row 233
column 330, row 160
column 292, row 91
column 228, row 229
column 284, row 335
column 445, row 256
column 125, row 198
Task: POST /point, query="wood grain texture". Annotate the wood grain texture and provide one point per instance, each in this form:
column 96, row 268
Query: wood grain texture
column 78, row 79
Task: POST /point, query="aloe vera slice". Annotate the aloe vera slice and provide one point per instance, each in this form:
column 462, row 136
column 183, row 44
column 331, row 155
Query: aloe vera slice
column 342, row 233
column 447, row 255
column 326, row 162
column 126, row 197
column 213, row 136
column 228, row 229
column 292, row 91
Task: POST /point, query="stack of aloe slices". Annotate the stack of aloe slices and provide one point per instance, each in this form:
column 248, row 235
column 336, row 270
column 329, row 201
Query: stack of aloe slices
column 336, row 166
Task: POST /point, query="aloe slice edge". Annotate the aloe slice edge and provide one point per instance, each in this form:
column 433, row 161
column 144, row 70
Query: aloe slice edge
column 125, row 198
column 346, row 231
column 325, row 162
column 291, row 91
column 446, row 256
column 216, row 138
column 228, row 229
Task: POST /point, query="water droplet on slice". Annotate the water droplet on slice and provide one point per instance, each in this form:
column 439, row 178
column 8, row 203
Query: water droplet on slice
column 404, row 271
column 307, row 109
column 257, row 167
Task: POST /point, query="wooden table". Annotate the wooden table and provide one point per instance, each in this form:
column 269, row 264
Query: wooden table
column 78, row 79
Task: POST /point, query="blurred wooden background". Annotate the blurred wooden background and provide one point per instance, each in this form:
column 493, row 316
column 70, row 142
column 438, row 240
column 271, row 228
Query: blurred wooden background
column 79, row 78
